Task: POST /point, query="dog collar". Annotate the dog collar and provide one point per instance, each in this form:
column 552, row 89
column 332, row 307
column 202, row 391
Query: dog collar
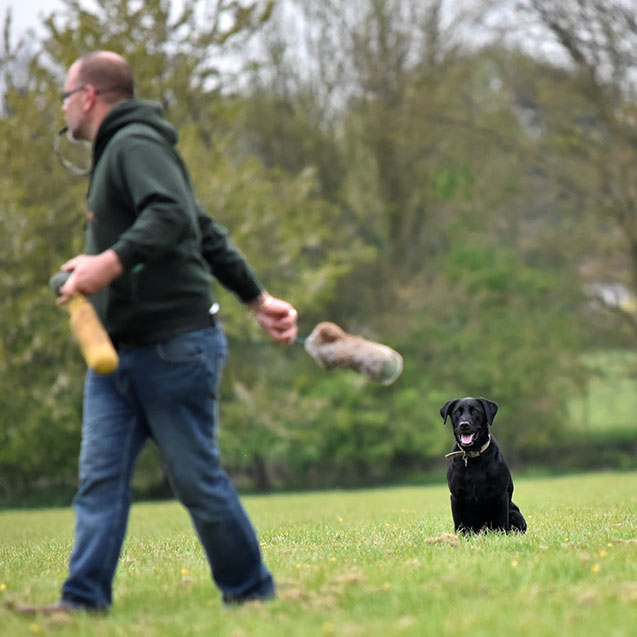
column 469, row 454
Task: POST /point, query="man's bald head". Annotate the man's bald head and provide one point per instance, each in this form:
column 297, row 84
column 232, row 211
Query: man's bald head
column 109, row 73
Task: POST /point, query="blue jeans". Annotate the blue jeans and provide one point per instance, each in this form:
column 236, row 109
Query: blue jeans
column 166, row 392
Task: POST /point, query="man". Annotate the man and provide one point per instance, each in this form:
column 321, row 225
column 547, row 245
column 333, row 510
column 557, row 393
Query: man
column 149, row 254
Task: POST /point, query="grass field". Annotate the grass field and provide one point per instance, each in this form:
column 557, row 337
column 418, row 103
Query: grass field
column 358, row 563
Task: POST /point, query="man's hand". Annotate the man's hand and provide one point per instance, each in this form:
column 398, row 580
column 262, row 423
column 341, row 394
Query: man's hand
column 89, row 274
column 276, row 317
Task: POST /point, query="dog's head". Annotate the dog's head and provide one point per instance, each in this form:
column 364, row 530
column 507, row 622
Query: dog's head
column 470, row 419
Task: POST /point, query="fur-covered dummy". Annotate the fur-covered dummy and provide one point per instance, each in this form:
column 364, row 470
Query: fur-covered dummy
column 332, row 347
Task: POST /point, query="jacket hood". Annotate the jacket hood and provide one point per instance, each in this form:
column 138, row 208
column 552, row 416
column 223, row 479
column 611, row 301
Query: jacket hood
column 133, row 111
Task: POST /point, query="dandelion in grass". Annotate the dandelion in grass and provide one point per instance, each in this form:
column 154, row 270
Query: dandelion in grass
column 184, row 571
column 35, row 628
column 595, row 568
column 603, row 553
column 515, row 563
column 332, row 559
column 3, row 587
column 340, row 519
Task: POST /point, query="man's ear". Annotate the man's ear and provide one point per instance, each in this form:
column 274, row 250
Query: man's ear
column 446, row 408
column 490, row 409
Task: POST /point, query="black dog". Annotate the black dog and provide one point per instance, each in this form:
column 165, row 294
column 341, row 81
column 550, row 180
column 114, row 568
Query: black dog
column 479, row 479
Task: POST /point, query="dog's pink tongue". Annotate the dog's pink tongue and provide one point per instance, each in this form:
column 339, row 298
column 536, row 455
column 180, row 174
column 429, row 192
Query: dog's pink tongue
column 466, row 439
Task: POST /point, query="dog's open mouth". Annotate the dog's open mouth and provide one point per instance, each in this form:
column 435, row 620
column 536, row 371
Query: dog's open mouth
column 467, row 439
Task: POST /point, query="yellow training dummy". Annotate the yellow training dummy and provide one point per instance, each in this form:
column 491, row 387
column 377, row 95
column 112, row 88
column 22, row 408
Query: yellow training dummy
column 96, row 346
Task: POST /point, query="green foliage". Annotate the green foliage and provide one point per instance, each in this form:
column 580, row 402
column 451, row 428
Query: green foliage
column 454, row 181
column 254, row 202
column 514, row 338
column 363, row 562
column 447, row 200
column 607, row 410
column 39, row 364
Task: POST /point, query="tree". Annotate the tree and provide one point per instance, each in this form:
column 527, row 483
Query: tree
column 588, row 125
column 440, row 177
column 41, row 207
column 444, row 195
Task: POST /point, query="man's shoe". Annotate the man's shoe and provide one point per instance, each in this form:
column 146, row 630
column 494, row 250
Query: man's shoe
column 59, row 608
column 237, row 600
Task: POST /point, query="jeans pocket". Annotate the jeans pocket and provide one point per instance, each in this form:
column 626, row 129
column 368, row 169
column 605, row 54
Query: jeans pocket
column 183, row 348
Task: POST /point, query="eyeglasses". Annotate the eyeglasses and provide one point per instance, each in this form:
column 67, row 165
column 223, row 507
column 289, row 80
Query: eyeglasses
column 65, row 96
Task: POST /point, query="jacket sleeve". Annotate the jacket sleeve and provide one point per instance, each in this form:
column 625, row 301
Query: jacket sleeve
column 159, row 197
column 226, row 263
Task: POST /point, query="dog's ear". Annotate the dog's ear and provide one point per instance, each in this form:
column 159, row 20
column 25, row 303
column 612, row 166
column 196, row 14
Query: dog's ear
column 446, row 408
column 490, row 409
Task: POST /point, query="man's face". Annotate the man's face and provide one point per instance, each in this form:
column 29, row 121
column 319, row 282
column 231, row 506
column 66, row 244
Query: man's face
column 73, row 105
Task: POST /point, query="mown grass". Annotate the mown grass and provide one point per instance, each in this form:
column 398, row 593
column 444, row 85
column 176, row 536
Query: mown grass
column 370, row 562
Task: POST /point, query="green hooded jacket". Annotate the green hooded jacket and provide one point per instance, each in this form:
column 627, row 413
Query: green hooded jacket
column 141, row 204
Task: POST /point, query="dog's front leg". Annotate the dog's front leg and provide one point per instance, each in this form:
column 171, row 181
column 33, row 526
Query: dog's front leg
column 457, row 515
column 501, row 520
